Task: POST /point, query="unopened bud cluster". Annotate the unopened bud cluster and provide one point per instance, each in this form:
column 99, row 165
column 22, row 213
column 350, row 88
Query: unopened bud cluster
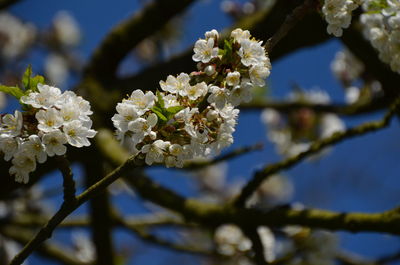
column 52, row 120
column 194, row 115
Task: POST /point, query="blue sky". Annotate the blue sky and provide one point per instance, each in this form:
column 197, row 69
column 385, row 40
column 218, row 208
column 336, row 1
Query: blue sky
column 359, row 175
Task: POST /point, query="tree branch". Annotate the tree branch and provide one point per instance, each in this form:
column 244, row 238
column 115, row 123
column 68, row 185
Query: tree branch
column 67, row 208
column 315, row 147
column 257, row 245
column 262, row 25
column 50, row 250
column 233, row 154
column 101, row 222
column 128, row 34
column 68, row 180
column 290, row 21
column 340, row 109
column 6, row 3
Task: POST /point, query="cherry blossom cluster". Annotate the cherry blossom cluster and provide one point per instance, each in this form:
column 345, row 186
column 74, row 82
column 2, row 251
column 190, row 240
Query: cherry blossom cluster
column 194, row 115
column 52, row 119
column 381, row 21
column 338, row 13
column 294, row 131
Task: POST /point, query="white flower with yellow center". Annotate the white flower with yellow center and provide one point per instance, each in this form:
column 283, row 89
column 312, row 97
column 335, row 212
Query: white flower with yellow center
column 176, row 157
column 252, row 53
column 142, row 127
column 70, row 112
column 47, row 97
column 155, row 151
column 35, row 148
column 77, row 133
column 258, row 73
column 49, row 120
column 142, row 102
column 176, row 85
column 23, row 164
column 204, row 50
column 233, row 78
column 54, row 142
column 219, row 96
column 196, row 91
column 127, row 113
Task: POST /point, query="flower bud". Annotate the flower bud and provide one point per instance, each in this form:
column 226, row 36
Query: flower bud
column 209, row 70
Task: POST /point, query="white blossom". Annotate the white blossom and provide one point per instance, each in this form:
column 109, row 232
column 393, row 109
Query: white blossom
column 9, row 146
column 252, row 53
column 49, row 120
column 233, row 79
column 46, row 97
column 23, row 164
column 219, row 96
column 155, row 151
column 127, row 113
column 258, row 73
column 196, row 91
column 176, row 85
column 142, row 127
column 212, row 34
column 204, row 115
column 78, row 132
column 17, row 36
column 66, row 29
column 141, row 101
column 34, row 148
column 239, row 35
column 204, row 50
column 12, row 124
column 54, row 142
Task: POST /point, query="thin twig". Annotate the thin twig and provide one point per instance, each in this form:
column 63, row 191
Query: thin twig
column 257, row 245
column 50, row 250
column 141, row 231
column 340, row 109
column 290, row 21
column 315, row 147
column 67, row 208
column 233, row 154
column 68, row 180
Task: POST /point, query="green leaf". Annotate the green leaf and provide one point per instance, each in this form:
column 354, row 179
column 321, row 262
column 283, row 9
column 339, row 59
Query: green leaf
column 35, row 81
column 12, row 90
column 227, row 48
column 26, row 78
column 174, row 110
column 159, row 114
column 30, row 83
